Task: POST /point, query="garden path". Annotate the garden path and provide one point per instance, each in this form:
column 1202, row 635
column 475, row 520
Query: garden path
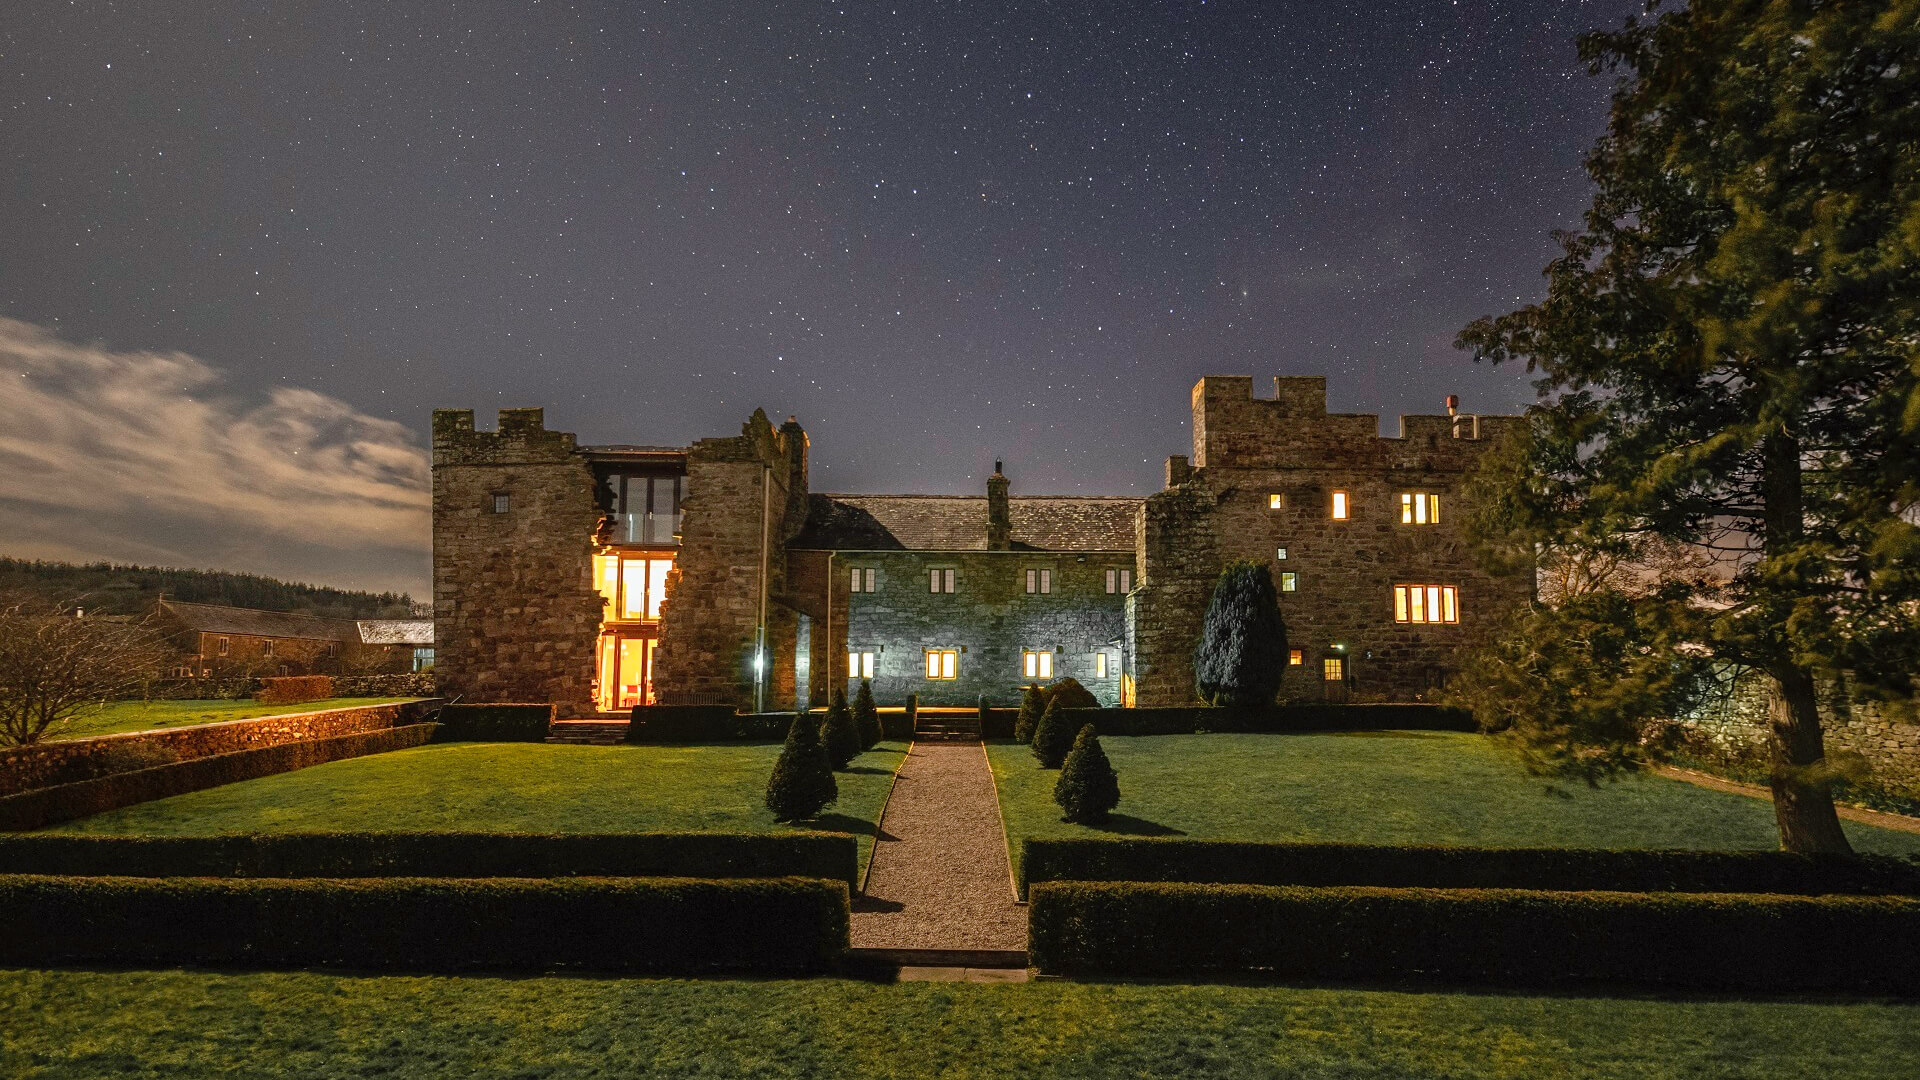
column 939, row 877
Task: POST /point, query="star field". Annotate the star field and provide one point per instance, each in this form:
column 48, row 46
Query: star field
column 938, row 232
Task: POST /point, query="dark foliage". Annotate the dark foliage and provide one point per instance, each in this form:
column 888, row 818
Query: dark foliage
column 1439, row 867
column 111, row 589
column 912, row 712
column 1053, row 737
column 655, row 724
column 1242, row 652
column 1189, row 719
column 802, row 783
column 653, row 925
column 294, row 689
column 839, row 734
column 1499, row 937
column 1087, row 790
column 834, row 856
column 1070, row 694
column 866, row 716
column 1033, row 705
column 494, row 723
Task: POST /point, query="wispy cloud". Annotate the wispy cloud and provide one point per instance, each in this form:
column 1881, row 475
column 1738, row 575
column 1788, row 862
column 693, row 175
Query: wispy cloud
column 151, row 457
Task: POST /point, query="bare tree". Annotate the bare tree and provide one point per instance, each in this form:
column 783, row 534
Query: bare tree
column 55, row 665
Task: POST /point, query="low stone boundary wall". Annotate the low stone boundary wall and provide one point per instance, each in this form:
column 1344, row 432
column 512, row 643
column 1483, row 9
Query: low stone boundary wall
column 50, row 806
column 1733, row 726
column 1277, row 719
column 70, row 761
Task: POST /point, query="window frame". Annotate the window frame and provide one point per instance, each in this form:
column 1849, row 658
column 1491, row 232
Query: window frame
column 866, row 576
column 1276, row 500
column 1419, row 508
column 1036, row 663
column 1333, row 669
column 1341, row 506
column 1426, row 605
column 1289, row 581
column 500, row 502
column 1296, row 657
column 942, row 665
column 1100, row 664
column 862, row 663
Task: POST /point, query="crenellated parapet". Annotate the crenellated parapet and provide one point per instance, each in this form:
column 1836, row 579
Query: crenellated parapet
column 521, row 438
column 1233, row 429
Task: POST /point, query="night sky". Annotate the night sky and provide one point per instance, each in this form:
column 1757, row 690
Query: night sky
column 247, row 247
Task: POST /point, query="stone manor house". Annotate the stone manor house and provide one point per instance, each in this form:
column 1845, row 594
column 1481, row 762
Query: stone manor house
column 603, row 577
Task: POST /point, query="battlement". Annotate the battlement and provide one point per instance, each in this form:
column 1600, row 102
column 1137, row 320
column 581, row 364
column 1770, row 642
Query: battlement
column 1293, row 429
column 521, row 437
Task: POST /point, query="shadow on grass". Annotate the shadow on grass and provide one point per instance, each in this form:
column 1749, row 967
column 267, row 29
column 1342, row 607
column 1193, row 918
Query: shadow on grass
column 866, row 770
column 845, row 823
column 1129, row 825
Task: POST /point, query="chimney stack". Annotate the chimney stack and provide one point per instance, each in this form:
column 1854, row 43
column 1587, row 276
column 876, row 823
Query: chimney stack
column 1453, row 404
column 999, row 516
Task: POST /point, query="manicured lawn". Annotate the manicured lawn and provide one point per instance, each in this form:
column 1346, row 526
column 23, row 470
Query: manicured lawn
column 1388, row 787
column 147, row 715
column 512, row 787
column 72, row 1024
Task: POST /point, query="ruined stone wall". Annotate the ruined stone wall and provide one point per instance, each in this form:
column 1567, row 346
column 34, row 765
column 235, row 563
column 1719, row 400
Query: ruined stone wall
column 989, row 616
column 1246, row 450
column 745, row 495
column 515, row 611
column 1735, row 723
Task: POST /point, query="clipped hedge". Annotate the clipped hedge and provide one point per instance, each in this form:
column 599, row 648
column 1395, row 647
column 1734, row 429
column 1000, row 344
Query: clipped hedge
column 834, row 856
column 1278, row 719
column 1438, row 867
column 647, row 925
column 499, row 722
column 48, row 806
column 294, row 689
column 1511, row 937
column 653, row 724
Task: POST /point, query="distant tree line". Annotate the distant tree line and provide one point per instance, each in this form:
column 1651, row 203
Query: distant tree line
column 113, row 589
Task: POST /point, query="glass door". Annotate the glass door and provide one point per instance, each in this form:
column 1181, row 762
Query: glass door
column 626, row 671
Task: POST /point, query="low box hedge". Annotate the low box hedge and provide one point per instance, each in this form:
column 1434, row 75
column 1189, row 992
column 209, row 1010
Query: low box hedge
column 834, row 856
column 1567, row 869
column 641, row 925
column 293, row 689
column 64, row 802
column 1278, row 719
column 495, row 722
column 1507, row 937
column 655, row 724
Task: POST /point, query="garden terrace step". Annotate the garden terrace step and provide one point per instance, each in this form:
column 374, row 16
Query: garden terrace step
column 588, row 732
column 948, row 728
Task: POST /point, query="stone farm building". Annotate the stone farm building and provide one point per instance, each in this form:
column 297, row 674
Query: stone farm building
column 214, row 640
column 602, row 577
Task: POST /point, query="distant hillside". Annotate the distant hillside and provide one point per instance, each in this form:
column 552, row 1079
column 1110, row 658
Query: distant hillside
column 108, row 589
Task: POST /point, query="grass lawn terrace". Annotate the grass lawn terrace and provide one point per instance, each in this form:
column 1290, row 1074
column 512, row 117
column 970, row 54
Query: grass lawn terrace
column 73, row 1024
column 122, row 716
column 513, row 787
column 1387, row 787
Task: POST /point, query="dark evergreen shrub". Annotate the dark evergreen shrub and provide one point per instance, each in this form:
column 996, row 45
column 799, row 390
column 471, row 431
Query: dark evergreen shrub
column 913, row 713
column 866, row 716
column 1053, row 738
column 1032, row 704
column 839, row 733
column 1242, row 651
column 1071, row 695
column 802, row 783
column 1087, row 790
column 986, row 714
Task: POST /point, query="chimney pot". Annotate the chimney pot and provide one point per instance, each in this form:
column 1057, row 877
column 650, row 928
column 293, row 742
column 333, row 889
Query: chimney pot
column 1453, row 404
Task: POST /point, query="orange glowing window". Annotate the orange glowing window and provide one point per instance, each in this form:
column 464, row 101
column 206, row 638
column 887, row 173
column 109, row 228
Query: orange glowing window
column 943, row 663
column 1340, row 507
column 1426, row 604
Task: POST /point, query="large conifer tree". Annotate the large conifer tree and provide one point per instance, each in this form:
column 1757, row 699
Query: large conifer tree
column 1243, row 643
column 1728, row 352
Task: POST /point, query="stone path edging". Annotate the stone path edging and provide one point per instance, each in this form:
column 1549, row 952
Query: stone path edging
column 1896, row 822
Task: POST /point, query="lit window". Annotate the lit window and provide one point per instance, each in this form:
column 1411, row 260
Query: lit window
column 865, row 579
column 940, row 580
column 1295, row 659
column 1280, row 554
column 1039, row 581
column 266, row 647
column 1119, row 581
column 1419, row 508
column 1099, row 665
column 1126, row 581
column 225, row 645
column 1276, row 501
column 502, row 503
column 633, row 588
column 1339, row 506
column 1426, row 604
column 1036, row 665
column 1333, row 668
column 943, row 663
column 859, row 665
column 1289, row 582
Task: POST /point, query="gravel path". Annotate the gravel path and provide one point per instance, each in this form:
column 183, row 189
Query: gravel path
column 940, row 878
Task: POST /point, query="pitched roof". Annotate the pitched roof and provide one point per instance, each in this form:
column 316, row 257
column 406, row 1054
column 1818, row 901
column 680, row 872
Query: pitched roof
column 959, row 523
column 219, row 619
column 396, row 631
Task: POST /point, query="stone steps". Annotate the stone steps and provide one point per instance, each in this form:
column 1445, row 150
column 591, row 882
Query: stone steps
column 950, row 729
column 588, row 732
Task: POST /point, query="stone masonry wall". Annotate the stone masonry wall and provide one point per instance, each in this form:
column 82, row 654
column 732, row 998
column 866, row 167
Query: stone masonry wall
column 709, row 619
column 515, row 611
column 989, row 615
column 1247, row 449
column 1735, row 722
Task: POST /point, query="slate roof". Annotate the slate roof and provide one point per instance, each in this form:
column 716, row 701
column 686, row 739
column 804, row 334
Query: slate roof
column 219, row 619
column 396, row 631
column 959, row 523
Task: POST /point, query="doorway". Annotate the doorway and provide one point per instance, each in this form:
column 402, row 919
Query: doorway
column 626, row 670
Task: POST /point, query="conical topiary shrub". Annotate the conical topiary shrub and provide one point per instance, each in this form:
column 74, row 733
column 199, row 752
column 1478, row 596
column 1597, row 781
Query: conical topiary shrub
column 1053, row 737
column 913, row 714
column 802, row 782
column 1033, row 704
column 1243, row 642
column 1070, row 694
column 866, row 716
column 1087, row 790
column 838, row 733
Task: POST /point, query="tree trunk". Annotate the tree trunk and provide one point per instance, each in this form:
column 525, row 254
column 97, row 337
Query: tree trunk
column 1802, row 799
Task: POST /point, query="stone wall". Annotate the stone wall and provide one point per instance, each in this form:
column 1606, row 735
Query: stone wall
column 1217, row 509
column 746, row 496
column 66, row 761
column 1734, row 723
column 989, row 617
column 515, row 611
